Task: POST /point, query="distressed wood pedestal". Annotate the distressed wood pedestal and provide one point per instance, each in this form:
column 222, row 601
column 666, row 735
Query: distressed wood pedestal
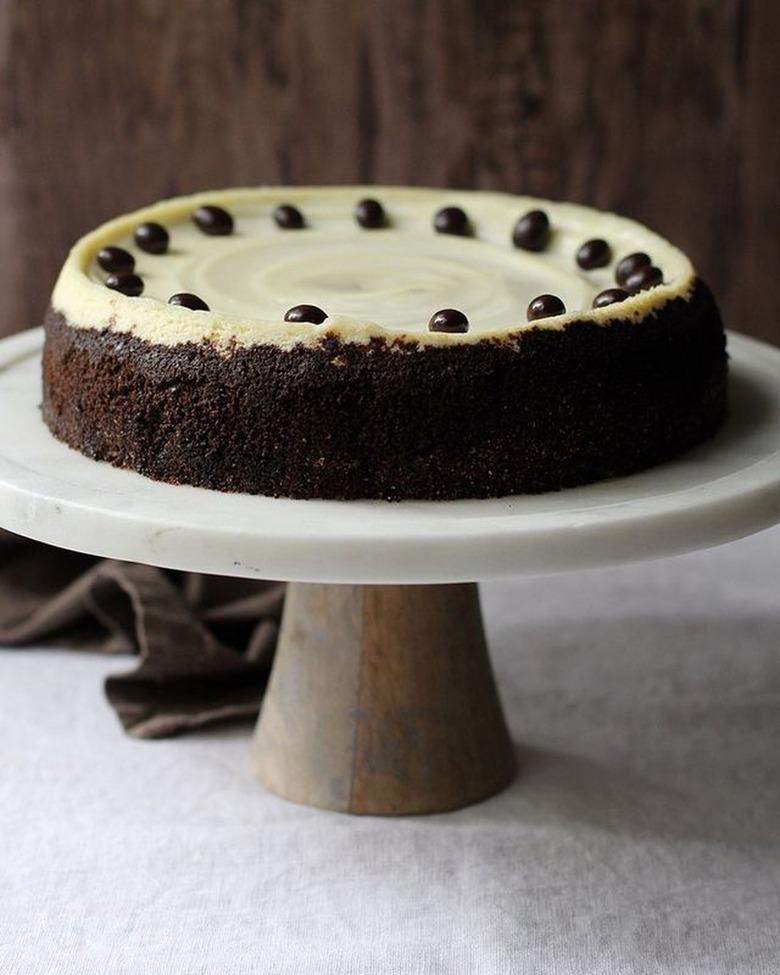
column 382, row 700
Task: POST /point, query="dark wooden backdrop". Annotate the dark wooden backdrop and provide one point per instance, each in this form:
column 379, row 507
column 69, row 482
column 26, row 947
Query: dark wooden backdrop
column 665, row 111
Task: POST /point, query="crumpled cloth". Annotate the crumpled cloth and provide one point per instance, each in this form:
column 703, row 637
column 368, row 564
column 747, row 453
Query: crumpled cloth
column 205, row 643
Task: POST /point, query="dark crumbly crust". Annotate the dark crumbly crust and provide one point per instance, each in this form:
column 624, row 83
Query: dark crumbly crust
column 547, row 410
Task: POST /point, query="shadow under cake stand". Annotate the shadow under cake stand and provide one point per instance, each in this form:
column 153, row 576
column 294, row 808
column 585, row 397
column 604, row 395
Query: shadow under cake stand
column 382, row 699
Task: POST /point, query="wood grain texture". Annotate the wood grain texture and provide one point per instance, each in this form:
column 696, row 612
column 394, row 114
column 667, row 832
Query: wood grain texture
column 664, row 111
column 382, row 701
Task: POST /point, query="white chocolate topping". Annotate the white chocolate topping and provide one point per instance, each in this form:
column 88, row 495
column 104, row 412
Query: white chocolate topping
column 372, row 283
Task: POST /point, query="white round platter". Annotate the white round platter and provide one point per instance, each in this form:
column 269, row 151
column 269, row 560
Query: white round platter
column 725, row 489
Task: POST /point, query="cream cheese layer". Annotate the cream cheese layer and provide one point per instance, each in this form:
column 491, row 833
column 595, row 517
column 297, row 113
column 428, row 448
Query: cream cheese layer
column 384, row 282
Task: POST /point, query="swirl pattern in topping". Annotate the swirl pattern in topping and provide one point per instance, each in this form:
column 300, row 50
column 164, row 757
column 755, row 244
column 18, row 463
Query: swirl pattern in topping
column 374, row 285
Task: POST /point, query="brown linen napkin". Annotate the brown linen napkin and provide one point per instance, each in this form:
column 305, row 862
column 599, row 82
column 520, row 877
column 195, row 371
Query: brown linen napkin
column 205, row 642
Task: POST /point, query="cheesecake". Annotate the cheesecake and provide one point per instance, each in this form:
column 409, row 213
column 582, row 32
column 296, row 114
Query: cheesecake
column 380, row 342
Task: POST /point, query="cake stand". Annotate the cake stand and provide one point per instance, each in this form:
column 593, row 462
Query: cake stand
column 382, row 699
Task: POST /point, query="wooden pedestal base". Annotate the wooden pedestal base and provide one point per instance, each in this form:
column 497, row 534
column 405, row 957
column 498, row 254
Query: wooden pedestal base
column 382, row 701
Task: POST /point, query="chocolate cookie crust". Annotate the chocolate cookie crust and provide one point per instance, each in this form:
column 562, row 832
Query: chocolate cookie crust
column 541, row 410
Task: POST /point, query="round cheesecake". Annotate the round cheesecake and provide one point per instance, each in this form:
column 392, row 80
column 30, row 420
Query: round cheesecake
column 380, row 342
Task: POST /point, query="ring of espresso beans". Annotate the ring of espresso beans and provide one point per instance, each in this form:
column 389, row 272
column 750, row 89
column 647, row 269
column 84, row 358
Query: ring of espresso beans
column 532, row 231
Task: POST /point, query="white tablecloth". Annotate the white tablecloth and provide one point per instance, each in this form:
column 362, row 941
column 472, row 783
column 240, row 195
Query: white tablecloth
column 643, row 835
